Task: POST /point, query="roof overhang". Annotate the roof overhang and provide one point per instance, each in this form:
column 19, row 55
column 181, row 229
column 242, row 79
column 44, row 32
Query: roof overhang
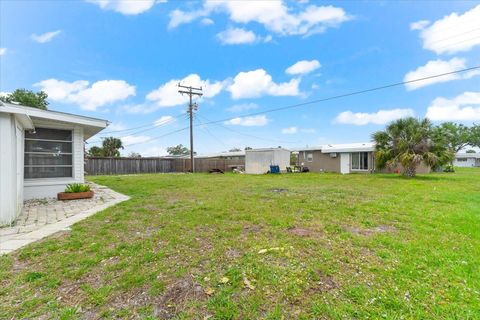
column 356, row 147
column 90, row 125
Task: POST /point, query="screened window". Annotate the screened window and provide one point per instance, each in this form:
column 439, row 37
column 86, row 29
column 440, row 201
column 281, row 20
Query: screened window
column 48, row 153
column 309, row 157
column 360, row 161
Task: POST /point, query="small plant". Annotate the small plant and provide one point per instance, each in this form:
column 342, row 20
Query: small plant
column 77, row 187
column 449, row 168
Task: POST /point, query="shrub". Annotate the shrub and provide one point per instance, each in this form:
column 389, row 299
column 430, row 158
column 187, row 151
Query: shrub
column 448, row 168
column 77, row 187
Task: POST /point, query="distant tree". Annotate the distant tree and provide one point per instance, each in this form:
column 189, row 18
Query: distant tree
column 293, row 159
column 27, row 98
column 95, row 152
column 471, row 151
column 408, row 142
column 475, row 135
column 178, row 150
column 111, row 147
column 454, row 136
column 248, row 148
column 134, row 155
column 234, row 150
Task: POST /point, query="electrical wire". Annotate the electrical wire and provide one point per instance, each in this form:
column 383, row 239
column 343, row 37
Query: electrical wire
column 349, row 94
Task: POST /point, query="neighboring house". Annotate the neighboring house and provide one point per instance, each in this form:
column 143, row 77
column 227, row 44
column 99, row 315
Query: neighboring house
column 40, row 153
column 467, row 160
column 258, row 161
column 344, row 158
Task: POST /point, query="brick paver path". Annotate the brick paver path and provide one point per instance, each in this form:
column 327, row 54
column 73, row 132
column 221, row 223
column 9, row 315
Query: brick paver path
column 41, row 218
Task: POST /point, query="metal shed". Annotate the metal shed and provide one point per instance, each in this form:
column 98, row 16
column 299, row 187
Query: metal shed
column 258, row 161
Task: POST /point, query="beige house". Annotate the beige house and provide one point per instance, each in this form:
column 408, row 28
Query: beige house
column 344, row 158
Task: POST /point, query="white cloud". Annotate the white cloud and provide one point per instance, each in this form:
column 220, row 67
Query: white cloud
column 465, row 107
column 435, row 67
column 419, row 25
column 255, row 121
column 275, row 16
column 3, row 51
column 126, row 7
column 237, row 36
column 132, row 139
column 87, row 97
column 453, row 33
column 153, row 152
column 379, row 117
column 116, row 127
column 163, row 120
column 303, row 67
column 45, row 37
column 167, row 95
column 290, row 130
column 253, row 84
column 207, row 21
column 243, row 107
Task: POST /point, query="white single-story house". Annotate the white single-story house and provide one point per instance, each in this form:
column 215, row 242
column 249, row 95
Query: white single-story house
column 467, row 160
column 258, row 161
column 40, row 153
column 345, row 158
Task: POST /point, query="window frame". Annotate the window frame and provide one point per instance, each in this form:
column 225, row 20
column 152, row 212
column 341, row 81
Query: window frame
column 70, row 154
column 352, row 154
column 307, row 158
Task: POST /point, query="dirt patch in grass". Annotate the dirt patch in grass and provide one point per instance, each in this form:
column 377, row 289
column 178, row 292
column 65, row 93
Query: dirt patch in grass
column 232, row 253
column 304, row 232
column 371, row 231
column 252, row 228
column 176, row 296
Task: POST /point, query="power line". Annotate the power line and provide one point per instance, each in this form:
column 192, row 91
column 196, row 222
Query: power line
column 353, row 93
column 139, row 127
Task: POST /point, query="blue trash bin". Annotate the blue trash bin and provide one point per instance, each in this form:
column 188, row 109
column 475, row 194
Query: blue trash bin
column 274, row 169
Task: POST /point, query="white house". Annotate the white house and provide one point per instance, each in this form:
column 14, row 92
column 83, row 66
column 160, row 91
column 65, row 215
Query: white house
column 467, row 160
column 258, row 161
column 40, row 153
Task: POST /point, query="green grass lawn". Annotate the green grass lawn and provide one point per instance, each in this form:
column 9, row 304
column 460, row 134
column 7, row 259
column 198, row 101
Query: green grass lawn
column 298, row 246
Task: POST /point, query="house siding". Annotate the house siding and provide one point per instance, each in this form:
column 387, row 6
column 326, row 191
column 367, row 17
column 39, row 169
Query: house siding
column 8, row 163
column 322, row 162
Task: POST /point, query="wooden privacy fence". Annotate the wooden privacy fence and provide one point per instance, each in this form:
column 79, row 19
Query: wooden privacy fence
column 121, row 165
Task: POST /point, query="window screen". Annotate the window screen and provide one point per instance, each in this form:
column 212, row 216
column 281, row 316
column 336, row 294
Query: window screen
column 48, row 153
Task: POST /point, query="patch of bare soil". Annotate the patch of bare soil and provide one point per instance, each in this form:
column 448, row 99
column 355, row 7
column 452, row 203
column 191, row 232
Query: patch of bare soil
column 252, row 228
column 326, row 284
column 371, row 231
column 176, row 296
column 303, row 232
column 232, row 253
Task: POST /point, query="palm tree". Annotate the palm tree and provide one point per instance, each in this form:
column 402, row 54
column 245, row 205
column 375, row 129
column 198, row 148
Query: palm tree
column 408, row 142
column 111, row 147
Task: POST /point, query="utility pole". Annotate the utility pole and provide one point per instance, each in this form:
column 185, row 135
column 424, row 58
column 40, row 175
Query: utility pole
column 191, row 91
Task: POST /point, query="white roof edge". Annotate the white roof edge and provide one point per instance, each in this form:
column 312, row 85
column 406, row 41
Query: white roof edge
column 346, row 147
column 467, row 155
column 265, row 149
column 53, row 115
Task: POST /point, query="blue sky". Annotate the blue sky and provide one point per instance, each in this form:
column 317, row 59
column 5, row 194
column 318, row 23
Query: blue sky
column 121, row 60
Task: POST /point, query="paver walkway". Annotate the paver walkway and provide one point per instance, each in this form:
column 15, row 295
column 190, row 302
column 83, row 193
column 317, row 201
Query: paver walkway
column 41, row 218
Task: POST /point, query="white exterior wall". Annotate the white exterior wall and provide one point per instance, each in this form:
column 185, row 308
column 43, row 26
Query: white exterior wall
column 10, row 206
column 259, row 161
column 49, row 187
column 469, row 163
